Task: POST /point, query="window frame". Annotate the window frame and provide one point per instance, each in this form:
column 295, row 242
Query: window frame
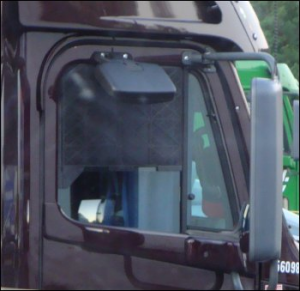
column 53, row 215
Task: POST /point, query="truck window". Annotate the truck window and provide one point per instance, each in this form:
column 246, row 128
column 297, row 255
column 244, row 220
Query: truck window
column 209, row 206
column 119, row 164
column 122, row 165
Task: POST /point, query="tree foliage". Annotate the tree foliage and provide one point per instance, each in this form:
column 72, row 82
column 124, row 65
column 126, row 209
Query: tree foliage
column 280, row 23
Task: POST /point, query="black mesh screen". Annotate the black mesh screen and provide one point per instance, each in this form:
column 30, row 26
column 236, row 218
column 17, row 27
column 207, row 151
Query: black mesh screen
column 96, row 130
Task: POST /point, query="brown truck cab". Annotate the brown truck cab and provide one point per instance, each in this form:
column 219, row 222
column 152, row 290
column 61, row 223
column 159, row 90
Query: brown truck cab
column 129, row 157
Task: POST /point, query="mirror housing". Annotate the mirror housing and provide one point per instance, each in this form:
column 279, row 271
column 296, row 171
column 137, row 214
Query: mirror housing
column 295, row 152
column 136, row 83
column 266, row 170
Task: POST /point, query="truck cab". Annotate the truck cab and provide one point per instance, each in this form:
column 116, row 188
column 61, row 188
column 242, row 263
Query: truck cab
column 126, row 147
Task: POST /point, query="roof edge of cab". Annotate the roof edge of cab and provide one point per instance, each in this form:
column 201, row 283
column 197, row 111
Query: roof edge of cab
column 217, row 19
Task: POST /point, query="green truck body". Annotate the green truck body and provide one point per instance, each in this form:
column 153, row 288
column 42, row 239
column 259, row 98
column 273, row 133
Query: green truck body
column 247, row 71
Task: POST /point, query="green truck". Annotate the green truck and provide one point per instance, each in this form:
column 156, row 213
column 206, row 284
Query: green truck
column 247, row 71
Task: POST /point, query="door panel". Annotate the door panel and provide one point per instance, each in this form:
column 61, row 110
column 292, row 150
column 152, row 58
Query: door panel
column 201, row 250
column 83, row 270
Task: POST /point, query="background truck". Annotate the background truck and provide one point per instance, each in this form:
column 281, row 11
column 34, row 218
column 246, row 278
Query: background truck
column 128, row 156
column 249, row 70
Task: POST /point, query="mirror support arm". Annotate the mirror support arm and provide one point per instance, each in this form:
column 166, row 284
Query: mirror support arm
column 237, row 284
column 190, row 58
column 273, row 275
column 236, row 280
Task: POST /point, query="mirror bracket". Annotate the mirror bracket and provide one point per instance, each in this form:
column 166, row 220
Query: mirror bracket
column 101, row 57
column 133, row 82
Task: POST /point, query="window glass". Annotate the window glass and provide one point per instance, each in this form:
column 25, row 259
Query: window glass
column 120, row 164
column 146, row 199
column 208, row 205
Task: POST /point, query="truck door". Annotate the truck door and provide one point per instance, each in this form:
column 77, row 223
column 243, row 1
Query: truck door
column 138, row 196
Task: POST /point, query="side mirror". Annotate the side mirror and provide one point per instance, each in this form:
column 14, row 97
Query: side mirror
column 296, row 131
column 266, row 170
column 135, row 83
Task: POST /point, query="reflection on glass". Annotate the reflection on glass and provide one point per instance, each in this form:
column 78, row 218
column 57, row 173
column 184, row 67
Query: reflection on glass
column 90, row 211
column 197, row 191
column 146, row 199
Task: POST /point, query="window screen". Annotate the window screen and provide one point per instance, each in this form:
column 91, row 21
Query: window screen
column 119, row 164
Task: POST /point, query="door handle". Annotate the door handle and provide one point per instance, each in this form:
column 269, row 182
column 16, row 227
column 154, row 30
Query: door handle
column 111, row 240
